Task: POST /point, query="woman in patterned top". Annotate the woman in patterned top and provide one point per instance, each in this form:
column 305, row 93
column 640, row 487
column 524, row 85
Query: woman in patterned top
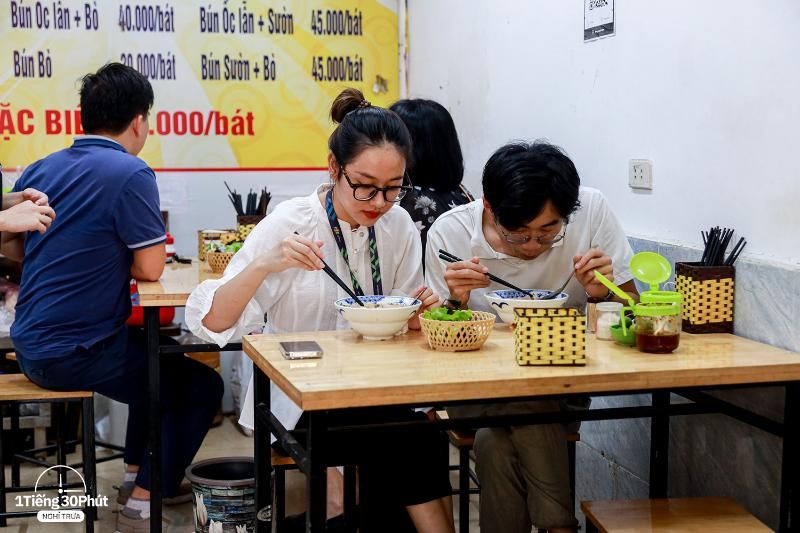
column 437, row 166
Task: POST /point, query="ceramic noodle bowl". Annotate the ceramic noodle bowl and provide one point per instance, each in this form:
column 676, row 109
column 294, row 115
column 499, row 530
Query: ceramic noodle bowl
column 503, row 302
column 382, row 317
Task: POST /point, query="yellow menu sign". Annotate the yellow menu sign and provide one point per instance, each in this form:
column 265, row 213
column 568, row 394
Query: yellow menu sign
column 238, row 83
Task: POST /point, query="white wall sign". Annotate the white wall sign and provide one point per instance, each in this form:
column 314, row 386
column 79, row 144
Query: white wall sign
column 598, row 19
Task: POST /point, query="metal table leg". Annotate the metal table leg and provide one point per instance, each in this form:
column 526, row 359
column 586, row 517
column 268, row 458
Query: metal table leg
column 151, row 328
column 316, row 477
column 263, row 463
column 3, row 522
column 790, row 466
column 659, row 446
column 89, row 465
column 16, row 443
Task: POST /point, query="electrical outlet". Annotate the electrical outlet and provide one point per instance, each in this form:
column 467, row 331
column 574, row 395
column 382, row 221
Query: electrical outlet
column 640, row 174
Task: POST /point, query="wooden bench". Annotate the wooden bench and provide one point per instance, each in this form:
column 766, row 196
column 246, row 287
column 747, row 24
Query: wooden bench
column 464, row 440
column 685, row 515
column 38, row 423
column 16, row 389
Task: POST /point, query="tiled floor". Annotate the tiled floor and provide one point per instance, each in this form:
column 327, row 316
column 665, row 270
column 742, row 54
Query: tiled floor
column 223, row 441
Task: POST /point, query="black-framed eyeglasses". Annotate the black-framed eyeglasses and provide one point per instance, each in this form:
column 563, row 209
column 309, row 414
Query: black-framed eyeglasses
column 516, row 237
column 365, row 193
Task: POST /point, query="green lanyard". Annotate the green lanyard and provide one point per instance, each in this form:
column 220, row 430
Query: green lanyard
column 333, row 220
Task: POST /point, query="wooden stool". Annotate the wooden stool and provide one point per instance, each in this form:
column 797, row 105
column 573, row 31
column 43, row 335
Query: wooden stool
column 464, row 440
column 687, row 515
column 16, row 389
column 281, row 463
column 39, row 423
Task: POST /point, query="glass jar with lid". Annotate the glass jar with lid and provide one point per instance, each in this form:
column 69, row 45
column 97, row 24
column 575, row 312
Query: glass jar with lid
column 658, row 321
column 608, row 314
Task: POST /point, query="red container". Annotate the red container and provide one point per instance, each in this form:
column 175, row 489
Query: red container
column 165, row 314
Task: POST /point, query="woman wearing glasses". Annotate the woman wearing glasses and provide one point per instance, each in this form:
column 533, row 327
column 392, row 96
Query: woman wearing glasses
column 351, row 223
column 534, row 227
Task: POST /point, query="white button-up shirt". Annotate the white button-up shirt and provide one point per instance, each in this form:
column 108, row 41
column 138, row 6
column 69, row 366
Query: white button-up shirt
column 593, row 225
column 299, row 300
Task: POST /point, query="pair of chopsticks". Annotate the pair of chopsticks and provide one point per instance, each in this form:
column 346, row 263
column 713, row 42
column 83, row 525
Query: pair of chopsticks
column 329, row 271
column 450, row 258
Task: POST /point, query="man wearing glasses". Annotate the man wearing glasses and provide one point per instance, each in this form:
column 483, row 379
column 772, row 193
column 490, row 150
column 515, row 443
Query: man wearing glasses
column 534, row 227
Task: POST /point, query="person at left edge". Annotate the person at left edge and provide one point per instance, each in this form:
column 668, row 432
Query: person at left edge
column 70, row 331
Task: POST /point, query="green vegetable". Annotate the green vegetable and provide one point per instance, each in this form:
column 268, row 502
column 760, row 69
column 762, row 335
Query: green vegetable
column 233, row 247
column 443, row 313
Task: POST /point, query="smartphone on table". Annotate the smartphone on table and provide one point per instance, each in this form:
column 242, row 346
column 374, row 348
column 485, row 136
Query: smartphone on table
column 300, row 350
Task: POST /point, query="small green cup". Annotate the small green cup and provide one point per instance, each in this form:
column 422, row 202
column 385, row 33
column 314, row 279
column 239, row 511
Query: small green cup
column 626, row 336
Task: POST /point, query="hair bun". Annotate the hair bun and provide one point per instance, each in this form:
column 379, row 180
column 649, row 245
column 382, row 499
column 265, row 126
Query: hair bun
column 348, row 100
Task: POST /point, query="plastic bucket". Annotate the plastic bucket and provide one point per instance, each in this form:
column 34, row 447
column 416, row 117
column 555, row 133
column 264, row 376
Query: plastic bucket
column 224, row 494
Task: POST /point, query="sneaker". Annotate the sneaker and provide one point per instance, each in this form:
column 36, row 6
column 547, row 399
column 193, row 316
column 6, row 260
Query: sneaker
column 184, row 495
column 127, row 524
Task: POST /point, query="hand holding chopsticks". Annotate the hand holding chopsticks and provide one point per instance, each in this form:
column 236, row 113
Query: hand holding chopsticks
column 450, row 258
column 329, row 271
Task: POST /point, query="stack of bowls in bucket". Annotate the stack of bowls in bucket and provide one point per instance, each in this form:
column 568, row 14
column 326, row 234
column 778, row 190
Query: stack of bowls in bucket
column 503, row 302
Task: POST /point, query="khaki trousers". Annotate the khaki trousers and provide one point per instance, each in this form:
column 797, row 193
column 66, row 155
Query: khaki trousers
column 523, row 470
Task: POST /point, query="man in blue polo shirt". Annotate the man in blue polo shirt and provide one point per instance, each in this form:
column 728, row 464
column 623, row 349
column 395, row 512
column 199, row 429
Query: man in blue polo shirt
column 70, row 330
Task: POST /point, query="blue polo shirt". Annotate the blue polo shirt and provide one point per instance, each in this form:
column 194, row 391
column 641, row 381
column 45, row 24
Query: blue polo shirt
column 76, row 276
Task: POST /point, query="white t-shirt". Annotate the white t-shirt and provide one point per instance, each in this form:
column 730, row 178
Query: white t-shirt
column 460, row 232
column 299, row 300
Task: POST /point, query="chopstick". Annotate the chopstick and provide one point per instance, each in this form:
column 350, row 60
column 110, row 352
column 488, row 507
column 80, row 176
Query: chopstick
column 735, row 252
column 236, row 200
column 450, row 258
column 329, row 271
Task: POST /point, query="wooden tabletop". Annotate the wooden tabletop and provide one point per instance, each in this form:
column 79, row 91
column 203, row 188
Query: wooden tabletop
column 175, row 285
column 358, row 373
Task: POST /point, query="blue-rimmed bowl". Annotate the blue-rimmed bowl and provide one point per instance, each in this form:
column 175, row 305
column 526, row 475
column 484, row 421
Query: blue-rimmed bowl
column 381, row 318
column 504, row 301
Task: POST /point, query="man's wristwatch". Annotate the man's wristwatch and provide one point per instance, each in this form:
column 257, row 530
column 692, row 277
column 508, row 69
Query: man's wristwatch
column 607, row 298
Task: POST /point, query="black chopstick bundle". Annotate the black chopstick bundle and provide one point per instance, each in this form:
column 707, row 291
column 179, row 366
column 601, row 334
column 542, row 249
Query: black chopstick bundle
column 715, row 242
column 254, row 205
